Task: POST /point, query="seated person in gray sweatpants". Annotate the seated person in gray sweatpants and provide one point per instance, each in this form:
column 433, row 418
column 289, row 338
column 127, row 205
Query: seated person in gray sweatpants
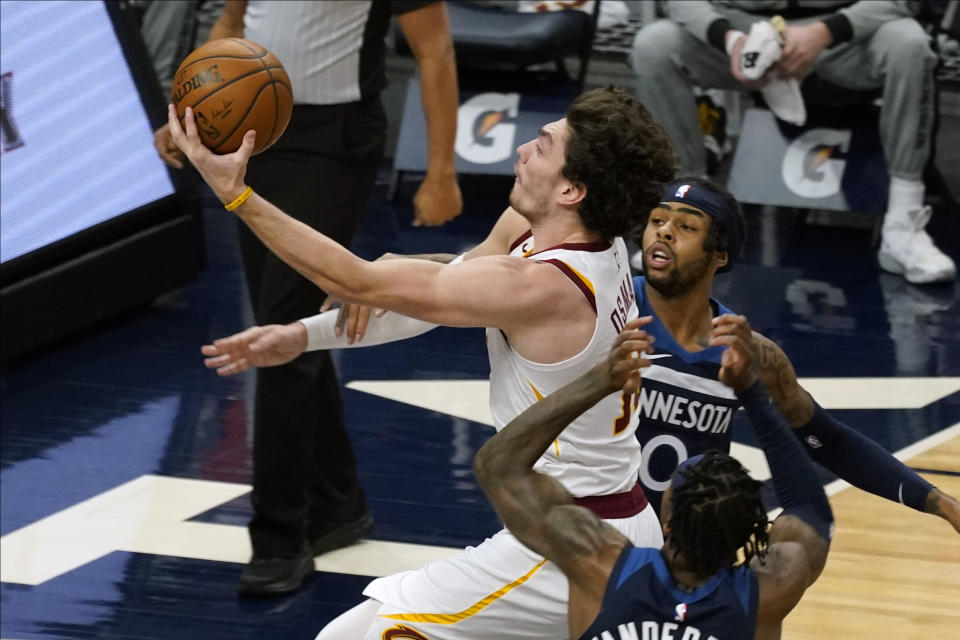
column 862, row 45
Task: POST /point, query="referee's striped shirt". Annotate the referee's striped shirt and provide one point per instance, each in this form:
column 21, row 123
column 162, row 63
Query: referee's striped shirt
column 333, row 51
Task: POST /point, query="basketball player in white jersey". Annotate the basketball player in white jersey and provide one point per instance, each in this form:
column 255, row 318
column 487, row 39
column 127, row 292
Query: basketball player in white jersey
column 552, row 285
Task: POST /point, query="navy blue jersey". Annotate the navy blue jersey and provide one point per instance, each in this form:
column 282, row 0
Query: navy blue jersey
column 684, row 409
column 642, row 601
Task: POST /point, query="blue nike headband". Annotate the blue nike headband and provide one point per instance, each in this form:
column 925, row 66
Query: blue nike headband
column 714, row 205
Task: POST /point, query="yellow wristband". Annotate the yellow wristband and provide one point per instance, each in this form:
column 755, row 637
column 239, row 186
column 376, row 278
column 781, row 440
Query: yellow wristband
column 240, row 199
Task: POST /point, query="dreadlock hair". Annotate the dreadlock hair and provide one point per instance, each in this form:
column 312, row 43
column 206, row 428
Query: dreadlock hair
column 717, row 237
column 621, row 154
column 715, row 511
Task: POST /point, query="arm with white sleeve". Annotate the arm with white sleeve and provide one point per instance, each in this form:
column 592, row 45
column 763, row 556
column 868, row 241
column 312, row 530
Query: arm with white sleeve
column 273, row 345
column 322, row 331
column 325, row 330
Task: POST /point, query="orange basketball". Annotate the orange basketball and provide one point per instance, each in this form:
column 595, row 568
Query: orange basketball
column 234, row 85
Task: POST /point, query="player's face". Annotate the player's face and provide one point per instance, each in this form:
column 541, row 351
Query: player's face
column 673, row 257
column 539, row 182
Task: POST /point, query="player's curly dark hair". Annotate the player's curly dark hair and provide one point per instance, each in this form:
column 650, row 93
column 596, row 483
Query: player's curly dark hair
column 621, row 154
column 716, row 511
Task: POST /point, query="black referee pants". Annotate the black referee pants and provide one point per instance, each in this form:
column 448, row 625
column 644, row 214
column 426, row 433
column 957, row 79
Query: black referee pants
column 321, row 172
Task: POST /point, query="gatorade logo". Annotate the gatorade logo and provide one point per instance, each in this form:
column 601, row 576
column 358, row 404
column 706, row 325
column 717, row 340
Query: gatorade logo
column 484, row 135
column 8, row 127
column 812, row 166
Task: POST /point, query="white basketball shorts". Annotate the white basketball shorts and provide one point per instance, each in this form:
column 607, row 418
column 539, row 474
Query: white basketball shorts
column 497, row 590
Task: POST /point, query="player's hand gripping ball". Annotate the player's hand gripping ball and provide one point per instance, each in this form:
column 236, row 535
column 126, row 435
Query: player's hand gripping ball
column 234, row 85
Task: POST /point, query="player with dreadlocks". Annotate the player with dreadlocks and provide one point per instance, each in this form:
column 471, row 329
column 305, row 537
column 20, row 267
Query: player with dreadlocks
column 714, row 511
column 692, row 587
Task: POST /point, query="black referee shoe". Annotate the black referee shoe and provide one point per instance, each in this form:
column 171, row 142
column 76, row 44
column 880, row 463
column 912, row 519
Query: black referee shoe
column 266, row 577
column 343, row 535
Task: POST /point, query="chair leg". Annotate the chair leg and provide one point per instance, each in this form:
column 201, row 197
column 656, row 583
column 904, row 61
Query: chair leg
column 562, row 68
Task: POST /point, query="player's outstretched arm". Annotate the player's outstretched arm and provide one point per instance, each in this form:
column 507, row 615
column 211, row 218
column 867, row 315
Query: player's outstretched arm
column 278, row 344
column 323, row 331
column 317, row 257
column 272, row 345
column 537, row 509
column 353, row 319
column 799, row 538
column 266, row 346
column 470, row 294
column 509, row 227
column 843, row 450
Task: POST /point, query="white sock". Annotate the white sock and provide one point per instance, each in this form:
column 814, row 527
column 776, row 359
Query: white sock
column 904, row 196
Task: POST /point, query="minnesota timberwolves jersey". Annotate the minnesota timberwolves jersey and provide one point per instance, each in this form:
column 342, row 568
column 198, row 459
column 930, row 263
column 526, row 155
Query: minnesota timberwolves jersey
column 684, row 409
column 642, row 601
column 597, row 454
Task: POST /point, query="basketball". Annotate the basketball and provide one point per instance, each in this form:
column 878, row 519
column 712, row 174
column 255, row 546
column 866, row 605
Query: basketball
column 234, row 85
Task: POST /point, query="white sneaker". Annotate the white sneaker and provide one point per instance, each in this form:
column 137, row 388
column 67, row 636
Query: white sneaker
column 907, row 249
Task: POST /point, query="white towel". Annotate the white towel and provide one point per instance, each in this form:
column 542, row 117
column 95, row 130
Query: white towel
column 761, row 51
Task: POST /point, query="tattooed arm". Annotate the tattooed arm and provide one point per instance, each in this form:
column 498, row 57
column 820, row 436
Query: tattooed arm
column 778, row 375
column 844, row 451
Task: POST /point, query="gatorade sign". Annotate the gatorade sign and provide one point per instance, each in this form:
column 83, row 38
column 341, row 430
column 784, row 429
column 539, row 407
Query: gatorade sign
column 490, row 127
column 486, row 127
column 835, row 162
column 814, row 162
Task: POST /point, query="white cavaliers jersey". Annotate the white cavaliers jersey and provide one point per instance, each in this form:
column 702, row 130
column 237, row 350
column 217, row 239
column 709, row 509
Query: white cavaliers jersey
column 598, row 454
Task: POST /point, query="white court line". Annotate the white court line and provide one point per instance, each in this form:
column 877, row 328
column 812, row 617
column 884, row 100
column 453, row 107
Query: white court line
column 879, row 393
column 470, row 398
column 148, row 515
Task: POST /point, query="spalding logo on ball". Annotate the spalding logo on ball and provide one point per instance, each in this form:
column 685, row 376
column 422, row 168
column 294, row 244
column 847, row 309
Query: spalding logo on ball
column 234, row 85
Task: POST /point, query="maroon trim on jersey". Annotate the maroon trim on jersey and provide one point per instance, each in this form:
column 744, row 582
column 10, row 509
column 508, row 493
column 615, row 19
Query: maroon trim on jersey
column 578, row 246
column 617, row 505
column 577, row 280
column 519, row 241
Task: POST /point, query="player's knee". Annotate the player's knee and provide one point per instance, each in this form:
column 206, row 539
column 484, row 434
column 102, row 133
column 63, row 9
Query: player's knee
column 654, row 44
column 907, row 43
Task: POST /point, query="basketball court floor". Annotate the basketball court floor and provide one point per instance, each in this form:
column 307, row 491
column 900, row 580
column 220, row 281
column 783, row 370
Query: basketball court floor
column 125, row 464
